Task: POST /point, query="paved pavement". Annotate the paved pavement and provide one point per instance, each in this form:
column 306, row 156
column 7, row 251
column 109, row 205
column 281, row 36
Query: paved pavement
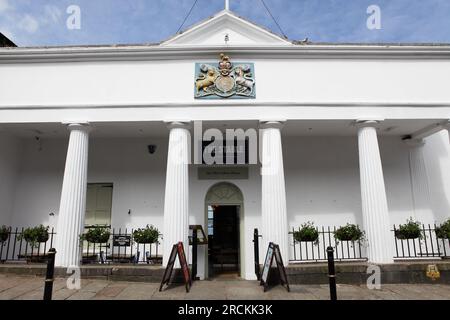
column 31, row 288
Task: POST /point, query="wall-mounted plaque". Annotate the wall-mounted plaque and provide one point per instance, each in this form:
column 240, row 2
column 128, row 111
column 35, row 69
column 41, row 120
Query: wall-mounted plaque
column 225, row 80
column 222, row 173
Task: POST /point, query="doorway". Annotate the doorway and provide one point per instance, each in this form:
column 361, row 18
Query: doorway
column 98, row 204
column 223, row 240
column 224, row 206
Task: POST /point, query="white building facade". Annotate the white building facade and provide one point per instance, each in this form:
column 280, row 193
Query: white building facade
column 357, row 134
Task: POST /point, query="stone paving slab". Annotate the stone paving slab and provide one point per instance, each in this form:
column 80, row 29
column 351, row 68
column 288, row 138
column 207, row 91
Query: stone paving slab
column 15, row 287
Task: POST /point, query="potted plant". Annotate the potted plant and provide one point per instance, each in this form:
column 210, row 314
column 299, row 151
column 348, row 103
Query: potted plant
column 35, row 235
column 443, row 231
column 149, row 234
column 96, row 234
column 349, row 232
column 307, row 232
column 410, row 230
column 4, row 233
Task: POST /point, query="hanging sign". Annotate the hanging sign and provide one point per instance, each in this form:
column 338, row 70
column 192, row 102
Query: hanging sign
column 273, row 251
column 121, row 241
column 177, row 250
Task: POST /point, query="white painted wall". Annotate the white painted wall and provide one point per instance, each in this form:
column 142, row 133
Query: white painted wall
column 322, row 182
column 138, row 178
column 38, row 186
column 282, row 80
column 10, row 155
column 437, row 158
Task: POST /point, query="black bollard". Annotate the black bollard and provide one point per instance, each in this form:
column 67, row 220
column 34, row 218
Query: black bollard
column 331, row 273
column 48, row 289
column 256, row 253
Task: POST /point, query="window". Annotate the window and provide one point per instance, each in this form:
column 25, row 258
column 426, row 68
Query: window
column 210, row 221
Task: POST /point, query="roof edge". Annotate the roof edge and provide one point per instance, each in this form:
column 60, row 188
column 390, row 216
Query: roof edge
column 309, row 51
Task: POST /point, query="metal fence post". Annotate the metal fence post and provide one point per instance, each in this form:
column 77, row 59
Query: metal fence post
column 194, row 254
column 331, row 273
column 256, row 252
column 48, row 289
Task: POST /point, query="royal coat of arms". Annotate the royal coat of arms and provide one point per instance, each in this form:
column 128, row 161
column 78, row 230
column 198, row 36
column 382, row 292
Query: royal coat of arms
column 225, row 80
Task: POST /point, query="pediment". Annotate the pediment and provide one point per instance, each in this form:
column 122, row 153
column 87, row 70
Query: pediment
column 226, row 24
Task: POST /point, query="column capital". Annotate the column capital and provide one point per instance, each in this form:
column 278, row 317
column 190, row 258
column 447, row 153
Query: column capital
column 446, row 124
column 364, row 123
column 413, row 143
column 77, row 125
column 183, row 124
column 266, row 124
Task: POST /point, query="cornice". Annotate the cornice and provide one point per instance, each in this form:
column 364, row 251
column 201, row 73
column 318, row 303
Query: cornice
column 157, row 52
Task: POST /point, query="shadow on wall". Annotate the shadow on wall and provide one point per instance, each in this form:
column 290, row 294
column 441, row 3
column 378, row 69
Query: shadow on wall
column 322, row 180
column 437, row 159
column 395, row 159
column 323, row 184
column 138, row 178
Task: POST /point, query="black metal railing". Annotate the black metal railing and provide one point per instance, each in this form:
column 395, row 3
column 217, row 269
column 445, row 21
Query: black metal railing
column 121, row 248
column 15, row 248
column 308, row 251
column 256, row 237
column 428, row 245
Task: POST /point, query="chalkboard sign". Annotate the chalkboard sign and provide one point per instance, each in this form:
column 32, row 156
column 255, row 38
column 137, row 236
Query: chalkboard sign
column 177, row 250
column 281, row 269
column 267, row 264
column 184, row 265
column 273, row 251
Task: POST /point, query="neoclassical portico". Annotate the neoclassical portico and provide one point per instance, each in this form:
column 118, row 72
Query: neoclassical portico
column 315, row 163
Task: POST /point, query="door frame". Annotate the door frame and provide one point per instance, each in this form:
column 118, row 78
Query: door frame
column 240, row 206
column 111, row 184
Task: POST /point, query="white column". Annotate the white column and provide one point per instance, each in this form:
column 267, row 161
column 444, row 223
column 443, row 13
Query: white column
column 176, row 202
column 420, row 190
column 373, row 195
column 273, row 197
column 447, row 126
column 73, row 197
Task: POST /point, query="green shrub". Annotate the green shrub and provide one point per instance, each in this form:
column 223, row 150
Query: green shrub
column 34, row 236
column 4, row 234
column 349, row 232
column 307, row 232
column 443, row 231
column 97, row 234
column 149, row 234
column 410, row 230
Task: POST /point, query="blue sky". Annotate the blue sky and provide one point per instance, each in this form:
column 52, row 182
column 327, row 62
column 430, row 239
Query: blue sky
column 43, row 22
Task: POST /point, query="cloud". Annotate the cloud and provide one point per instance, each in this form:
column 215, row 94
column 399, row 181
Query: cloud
column 52, row 12
column 29, row 24
column 7, row 33
column 41, row 22
column 4, row 5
